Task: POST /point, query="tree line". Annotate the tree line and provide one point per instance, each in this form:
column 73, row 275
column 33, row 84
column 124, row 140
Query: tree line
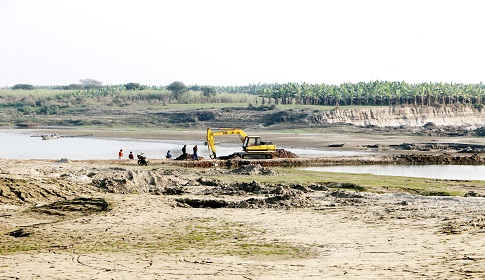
column 374, row 93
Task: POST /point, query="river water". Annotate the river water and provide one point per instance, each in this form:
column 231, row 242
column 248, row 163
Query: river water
column 19, row 144
column 446, row 172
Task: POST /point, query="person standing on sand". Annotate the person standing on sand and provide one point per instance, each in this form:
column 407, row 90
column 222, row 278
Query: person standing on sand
column 184, row 152
column 120, row 154
column 195, row 156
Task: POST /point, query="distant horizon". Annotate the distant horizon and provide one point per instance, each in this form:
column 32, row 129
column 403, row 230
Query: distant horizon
column 231, row 43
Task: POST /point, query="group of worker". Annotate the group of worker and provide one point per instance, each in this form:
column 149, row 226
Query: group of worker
column 130, row 155
column 195, row 156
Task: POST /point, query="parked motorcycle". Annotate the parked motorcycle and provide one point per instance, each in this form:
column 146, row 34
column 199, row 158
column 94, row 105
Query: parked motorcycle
column 142, row 160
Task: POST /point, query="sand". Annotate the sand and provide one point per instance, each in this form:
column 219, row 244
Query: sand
column 148, row 234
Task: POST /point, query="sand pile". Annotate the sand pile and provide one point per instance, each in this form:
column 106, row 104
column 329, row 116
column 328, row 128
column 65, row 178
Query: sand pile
column 155, row 181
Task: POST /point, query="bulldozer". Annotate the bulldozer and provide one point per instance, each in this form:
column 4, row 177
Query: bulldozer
column 253, row 146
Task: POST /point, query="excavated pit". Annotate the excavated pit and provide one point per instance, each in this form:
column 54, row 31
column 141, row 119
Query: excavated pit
column 201, row 203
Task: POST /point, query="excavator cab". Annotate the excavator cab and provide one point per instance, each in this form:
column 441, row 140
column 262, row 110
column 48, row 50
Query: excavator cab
column 251, row 141
column 254, row 144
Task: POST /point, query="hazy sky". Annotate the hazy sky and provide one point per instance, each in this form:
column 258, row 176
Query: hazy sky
column 230, row 42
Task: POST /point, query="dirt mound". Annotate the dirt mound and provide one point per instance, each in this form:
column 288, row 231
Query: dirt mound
column 280, row 198
column 438, row 159
column 155, row 181
column 234, row 189
column 275, row 196
column 283, row 197
column 282, row 153
column 253, row 169
column 187, row 157
column 459, row 147
column 246, row 169
column 474, row 194
column 26, row 191
column 431, row 129
column 255, row 187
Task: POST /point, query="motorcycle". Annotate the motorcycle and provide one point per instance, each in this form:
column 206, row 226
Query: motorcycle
column 142, row 160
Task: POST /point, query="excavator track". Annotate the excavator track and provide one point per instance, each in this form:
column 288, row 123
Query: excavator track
column 257, row 156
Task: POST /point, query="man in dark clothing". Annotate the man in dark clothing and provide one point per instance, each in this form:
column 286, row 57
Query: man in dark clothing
column 184, row 152
column 195, row 156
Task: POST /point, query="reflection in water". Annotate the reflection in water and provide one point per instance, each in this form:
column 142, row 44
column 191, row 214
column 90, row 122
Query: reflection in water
column 447, row 172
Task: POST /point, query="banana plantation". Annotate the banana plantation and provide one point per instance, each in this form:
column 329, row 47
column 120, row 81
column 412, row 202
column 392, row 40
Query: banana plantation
column 376, row 93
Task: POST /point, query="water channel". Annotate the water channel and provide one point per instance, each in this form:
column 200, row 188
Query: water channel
column 19, row 144
column 445, row 172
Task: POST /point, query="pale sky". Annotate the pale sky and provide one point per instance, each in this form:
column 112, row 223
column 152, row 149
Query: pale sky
column 229, row 42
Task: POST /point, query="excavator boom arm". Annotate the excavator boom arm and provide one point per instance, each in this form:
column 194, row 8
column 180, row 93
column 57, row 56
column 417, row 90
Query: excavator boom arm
column 221, row 131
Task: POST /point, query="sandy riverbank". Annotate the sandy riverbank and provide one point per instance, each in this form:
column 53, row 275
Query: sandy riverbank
column 155, row 227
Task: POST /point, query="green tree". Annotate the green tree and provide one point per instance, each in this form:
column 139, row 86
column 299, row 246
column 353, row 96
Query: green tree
column 133, row 86
column 23, row 86
column 208, row 91
column 177, row 88
column 90, row 83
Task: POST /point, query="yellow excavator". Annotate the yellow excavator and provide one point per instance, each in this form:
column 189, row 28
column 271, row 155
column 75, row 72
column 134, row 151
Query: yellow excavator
column 253, row 147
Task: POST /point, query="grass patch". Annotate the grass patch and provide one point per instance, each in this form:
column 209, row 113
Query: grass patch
column 435, row 193
column 213, row 237
column 194, row 236
column 363, row 182
column 17, row 248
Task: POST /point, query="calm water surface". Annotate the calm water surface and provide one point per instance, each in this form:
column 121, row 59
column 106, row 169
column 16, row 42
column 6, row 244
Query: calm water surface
column 18, row 144
column 446, row 172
